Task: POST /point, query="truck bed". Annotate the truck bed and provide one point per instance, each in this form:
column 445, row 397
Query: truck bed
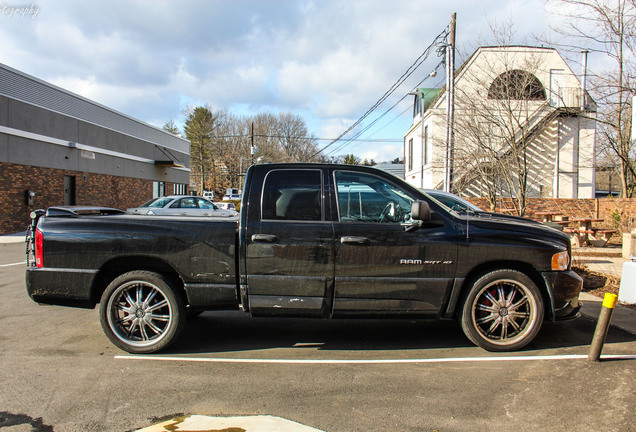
column 200, row 251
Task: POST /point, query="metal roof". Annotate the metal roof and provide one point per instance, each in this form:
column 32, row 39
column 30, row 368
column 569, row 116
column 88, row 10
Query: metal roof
column 23, row 87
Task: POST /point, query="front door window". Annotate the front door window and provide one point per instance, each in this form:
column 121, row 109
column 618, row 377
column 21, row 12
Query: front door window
column 367, row 198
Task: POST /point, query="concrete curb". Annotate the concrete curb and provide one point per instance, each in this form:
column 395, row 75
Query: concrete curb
column 12, row 238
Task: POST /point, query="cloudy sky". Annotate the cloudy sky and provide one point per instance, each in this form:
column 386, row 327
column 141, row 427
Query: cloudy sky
column 328, row 61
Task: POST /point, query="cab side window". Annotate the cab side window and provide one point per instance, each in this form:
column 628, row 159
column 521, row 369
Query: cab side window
column 292, row 195
column 185, row 203
column 203, row 204
column 367, row 198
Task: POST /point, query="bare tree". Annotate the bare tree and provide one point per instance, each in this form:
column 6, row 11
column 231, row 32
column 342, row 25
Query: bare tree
column 265, row 137
column 283, row 138
column 293, row 138
column 501, row 106
column 608, row 28
column 276, row 138
column 233, row 140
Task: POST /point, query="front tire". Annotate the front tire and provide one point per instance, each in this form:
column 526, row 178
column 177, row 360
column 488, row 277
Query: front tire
column 140, row 312
column 503, row 311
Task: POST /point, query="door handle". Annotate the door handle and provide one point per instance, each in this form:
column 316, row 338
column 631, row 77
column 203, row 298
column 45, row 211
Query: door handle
column 354, row 240
column 264, row 237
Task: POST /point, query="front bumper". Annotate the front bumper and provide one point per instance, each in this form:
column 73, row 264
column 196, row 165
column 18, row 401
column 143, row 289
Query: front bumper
column 563, row 288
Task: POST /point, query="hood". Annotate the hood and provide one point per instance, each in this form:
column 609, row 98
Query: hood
column 521, row 225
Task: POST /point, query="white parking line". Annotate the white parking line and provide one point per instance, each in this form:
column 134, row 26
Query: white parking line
column 377, row 361
column 13, row 264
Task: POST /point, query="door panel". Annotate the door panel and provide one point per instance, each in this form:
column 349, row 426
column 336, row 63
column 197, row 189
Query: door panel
column 290, row 250
column 557, row 86
column 395, row 270
column 380, row 266
column 69, row 190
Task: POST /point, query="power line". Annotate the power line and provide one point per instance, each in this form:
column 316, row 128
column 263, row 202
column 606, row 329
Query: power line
column 299, row 138
column 416, row 64
column 366, row 128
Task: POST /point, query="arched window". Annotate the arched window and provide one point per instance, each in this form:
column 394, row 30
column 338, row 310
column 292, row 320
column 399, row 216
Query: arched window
column 517, row 85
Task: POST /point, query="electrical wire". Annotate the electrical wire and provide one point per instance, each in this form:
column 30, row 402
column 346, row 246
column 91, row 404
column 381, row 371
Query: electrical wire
column 369, row 126
column 300, row 138
column 410, row 70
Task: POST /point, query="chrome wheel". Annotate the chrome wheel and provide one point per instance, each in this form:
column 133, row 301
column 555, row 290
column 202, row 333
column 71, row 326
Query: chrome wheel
column 140, row 313
column 503, row 312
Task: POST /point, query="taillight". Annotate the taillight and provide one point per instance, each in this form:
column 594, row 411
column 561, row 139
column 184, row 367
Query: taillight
column 39, row 240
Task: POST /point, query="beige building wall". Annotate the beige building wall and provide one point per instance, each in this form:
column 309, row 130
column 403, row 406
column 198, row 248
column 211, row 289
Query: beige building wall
column 557, row 123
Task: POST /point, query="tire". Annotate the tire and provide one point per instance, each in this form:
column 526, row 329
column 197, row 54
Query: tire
column 141, row 312
column 503, row 311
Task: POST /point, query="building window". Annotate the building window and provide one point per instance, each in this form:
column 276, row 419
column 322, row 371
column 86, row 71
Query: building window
column 425, row 146
column 516, row 85
column 411, row 154
column 180, row 189
column 417, row 105
column 158, row 189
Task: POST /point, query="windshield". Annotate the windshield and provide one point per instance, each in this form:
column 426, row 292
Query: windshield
column 160, row 202
column 147, row 203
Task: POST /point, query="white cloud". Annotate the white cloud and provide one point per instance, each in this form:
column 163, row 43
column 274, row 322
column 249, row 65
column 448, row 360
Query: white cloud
column 328, row 60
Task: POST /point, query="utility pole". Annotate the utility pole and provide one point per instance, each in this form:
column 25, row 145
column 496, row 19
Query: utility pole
column 252, row 145
column 450, row 106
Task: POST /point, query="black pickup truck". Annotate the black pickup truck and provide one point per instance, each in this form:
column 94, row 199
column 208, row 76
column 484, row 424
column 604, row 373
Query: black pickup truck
column 312, row 240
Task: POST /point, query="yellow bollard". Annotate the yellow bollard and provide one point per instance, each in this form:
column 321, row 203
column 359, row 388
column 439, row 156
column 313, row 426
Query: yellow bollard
column 604, row 318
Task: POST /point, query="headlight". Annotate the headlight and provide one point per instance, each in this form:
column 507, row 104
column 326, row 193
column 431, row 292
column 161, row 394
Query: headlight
column 560, row 261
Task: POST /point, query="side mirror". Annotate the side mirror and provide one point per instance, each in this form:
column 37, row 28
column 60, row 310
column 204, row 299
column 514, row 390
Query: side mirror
column 421, row 211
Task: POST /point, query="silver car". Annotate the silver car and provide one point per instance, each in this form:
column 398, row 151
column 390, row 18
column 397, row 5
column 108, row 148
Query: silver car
column 226, row 205
column 452, row 201
column 181, row 205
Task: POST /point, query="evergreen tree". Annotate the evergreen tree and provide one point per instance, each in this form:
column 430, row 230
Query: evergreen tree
column 198, row 129
column 171, row 126
column 351, row 159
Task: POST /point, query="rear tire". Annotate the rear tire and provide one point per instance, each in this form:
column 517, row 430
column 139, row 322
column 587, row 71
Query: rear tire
column 503, row 311
column 140, row 312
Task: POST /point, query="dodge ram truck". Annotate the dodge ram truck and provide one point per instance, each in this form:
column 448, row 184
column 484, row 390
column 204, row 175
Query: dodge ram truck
column 311, row 240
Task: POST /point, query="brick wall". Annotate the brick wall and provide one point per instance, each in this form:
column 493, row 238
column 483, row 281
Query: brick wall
column 123, row 192
column 48, row 185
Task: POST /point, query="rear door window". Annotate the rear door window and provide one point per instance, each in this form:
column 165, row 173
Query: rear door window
column 292, row 195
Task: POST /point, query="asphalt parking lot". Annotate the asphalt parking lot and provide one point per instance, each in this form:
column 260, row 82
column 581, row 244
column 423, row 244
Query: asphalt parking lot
column 58, row 372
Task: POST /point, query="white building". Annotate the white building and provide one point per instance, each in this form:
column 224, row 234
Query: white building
column 520, row 112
